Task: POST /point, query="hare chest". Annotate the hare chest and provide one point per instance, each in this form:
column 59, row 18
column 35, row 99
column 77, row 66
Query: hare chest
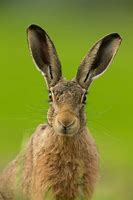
column 60, row 171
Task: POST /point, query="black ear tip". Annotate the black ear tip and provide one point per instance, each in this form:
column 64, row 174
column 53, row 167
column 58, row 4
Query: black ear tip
column 34, row 28
column 112, row 36
column 115, row 36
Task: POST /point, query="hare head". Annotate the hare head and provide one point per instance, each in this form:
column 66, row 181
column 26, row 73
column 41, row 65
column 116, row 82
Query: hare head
column 67, row 98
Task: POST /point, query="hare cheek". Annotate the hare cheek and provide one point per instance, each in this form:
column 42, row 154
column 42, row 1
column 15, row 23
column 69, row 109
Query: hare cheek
column 57, row 127
column 75, row 127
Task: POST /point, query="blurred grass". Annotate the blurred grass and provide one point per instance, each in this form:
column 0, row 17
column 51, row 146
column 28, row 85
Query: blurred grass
column 74, row 26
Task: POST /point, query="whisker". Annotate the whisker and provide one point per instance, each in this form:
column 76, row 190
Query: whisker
column 105, row 131
column 99, row 114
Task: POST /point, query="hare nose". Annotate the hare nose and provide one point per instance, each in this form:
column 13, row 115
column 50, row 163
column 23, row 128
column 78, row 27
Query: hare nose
column 66, row 123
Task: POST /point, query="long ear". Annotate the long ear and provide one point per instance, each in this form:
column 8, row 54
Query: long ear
column 98, row 58
column 44, row 54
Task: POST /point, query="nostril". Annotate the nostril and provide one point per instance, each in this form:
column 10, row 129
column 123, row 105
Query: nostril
column 66, row 124
column 62, row 124
column 71, row 123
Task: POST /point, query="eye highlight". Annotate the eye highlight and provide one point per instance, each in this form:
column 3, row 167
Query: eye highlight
column 83, row 100
column 50, row 96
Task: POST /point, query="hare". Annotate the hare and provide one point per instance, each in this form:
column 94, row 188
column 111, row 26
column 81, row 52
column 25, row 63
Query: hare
column 60, row 161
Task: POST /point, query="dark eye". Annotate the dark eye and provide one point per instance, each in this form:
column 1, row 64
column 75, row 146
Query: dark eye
column 50, row 97
column 84, row 98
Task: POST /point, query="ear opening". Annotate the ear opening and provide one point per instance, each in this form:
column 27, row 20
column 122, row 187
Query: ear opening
column 98, row 59
column 44, row 54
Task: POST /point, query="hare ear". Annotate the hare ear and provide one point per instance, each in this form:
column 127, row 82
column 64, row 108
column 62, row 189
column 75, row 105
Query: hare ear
column 97, row 60
column 44, row 54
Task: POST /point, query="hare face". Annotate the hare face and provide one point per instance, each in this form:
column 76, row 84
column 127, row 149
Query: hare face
column 67, row 102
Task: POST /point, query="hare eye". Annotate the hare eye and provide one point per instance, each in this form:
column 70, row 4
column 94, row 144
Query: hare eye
column 50, row 97
column 84, row 98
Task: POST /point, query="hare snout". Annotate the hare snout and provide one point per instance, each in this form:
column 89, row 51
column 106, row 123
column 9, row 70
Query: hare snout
column 66, row 123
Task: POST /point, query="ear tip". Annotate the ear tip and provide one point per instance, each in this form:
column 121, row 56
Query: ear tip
column 34, row 27
column 116, row 36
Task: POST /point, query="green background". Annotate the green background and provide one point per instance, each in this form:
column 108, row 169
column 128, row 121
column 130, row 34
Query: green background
column 73, row 26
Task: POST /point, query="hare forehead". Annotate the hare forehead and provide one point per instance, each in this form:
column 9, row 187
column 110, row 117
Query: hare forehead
column 68, row 89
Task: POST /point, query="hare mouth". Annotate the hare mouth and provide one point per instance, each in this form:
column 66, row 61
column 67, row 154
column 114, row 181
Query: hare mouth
column 69, row 130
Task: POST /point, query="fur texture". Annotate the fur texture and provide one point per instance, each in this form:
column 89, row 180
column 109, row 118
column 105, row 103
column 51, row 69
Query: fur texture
column 65, row 166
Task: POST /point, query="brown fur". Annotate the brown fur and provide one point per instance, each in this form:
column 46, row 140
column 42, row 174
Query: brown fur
column 68, row 166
